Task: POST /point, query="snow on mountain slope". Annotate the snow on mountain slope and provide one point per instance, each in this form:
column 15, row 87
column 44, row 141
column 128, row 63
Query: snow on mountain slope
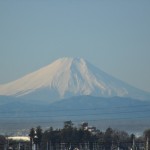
column 68, row 77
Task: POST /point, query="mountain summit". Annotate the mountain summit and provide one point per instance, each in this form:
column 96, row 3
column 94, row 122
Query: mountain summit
column 67, row 77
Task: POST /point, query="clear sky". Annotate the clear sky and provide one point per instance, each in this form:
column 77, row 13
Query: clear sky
column 114, row 35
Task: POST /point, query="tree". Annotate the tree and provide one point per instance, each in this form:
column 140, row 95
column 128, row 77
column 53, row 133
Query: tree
column 66, row 132
column 108, row 138
column 120, row 138
column 147, row 138
column 2, row 142
column 133, row 141
column 31, row 135
column 39, row 136
column 68, row 124
column 36, row 136
column 147, row 133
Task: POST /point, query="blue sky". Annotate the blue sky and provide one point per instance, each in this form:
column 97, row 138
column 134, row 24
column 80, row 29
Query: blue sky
column 112, row 35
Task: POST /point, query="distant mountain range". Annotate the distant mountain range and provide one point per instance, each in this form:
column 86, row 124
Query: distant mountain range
column 72, row 89
column 68, row 77
column 122, row 113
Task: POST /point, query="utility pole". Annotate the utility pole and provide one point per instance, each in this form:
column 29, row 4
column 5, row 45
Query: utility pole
column 118, row 146
column 19, row 145
column 147, row 143
column 5, row 146
column 133, row 143
column 47, row 145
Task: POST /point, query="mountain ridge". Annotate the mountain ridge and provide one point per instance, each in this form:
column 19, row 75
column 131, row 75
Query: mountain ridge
column 67, row 77
column 118, row 112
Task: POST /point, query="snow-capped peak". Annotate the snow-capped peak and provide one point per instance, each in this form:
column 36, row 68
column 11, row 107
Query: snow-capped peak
column 68, row 77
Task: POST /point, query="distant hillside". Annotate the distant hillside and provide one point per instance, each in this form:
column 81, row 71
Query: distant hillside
column 116, row 111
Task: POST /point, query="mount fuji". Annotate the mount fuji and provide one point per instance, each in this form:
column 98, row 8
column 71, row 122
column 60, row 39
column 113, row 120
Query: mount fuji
column 68, row 77
column 72, row 89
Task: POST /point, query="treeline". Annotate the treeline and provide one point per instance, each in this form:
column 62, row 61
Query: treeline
column 84, row 138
